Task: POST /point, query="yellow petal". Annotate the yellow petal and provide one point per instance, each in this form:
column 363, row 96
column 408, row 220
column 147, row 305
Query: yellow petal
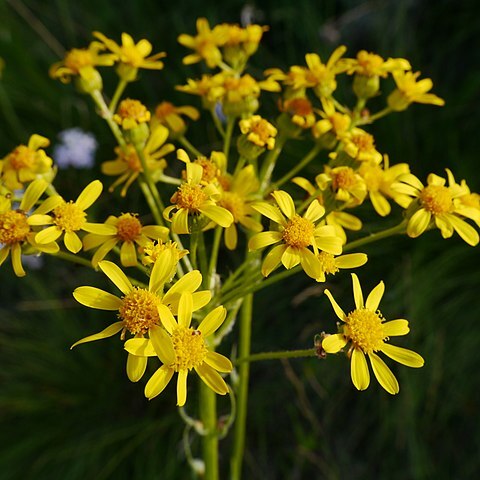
column 200, row 299
column 212, row 379
column 158, row 381
column 33, row 192
column 136, row 367
column 182, row 387
column 89, row 194
column 269, row 211
column 466, row 231
column 221, row 216
column 107, row 332
column 39, row 220
column 180, row 221
column 357, row 292
column 128, row 254
column 285, row 202
column 314, row 211
column 167, row 318
column 155, row 232
column 231, row 237
column 162, row 343
column 102, row 252
column 264, row 239
column 329, row 244
column 218, row 362
column 116, row 275
column 188, row 283
column 99, row 228
column 142, row 347
column 418, row 223
column 95, row 298
column 212, row 321
column 351, row 260
column 310, row 263
column 395, row 328
column 380, row 204
column 290, row 258
column 16, row 255
column 185, row 309
column 194, row 173
column 339, row 312
column 334, row 343
column 359, row 370
column 72, row 242
column 403, row 355
column 273, row 259
column 161, row 271
column 383, row 374
column 375, row 297
column 182, row 155
column 48, row 235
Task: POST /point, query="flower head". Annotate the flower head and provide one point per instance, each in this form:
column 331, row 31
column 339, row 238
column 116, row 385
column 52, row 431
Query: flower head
column 76, row 148
column 182, row 348
column 367, row 332
column 259, row 131
column 297, row 236
column 131, row 114
column 370, row 64
column 331, row 264
column 169, row 115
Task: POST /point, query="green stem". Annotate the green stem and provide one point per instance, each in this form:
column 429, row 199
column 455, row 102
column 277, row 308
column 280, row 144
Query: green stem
column 118, row 93
column 213, row 257
column 70, row 257
column 269, row 163
column 309, row 352
column 186, row 143
column 228, row 138
column 208, row 415
column 242, row 393
column 398, row 229
column 216, row 122
column 193, row 248
column 300, row 165
column 376, row 116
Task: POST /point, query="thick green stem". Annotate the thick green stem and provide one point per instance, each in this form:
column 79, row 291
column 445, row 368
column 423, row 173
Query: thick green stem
column 309, row 352
column 191, row 149
column 228, row 137
column 374, row 237
column 242, row 392
column 208, row 415
column 269, row 163
column 116, row 96
column 107, row 115
column 212, row 265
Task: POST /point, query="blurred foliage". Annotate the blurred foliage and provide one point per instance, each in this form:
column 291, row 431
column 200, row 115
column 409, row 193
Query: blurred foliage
column 74, row 415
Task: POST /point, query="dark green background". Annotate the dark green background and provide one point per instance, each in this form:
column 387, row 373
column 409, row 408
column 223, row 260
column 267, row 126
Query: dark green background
column 74, row 415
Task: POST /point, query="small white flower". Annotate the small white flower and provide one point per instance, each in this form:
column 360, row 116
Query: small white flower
column 76, row 148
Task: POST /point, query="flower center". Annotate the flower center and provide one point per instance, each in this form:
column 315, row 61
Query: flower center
column 69, row 217
column 343, row 177
column 133, row 109
column 190, row 349
column 128, row 227
column 164, row 109
column 327, row 262
column 139, row 310
column 190, row 197
column 364, row 142
column 365, row 329
column 436, row 199
column 369, row 63
column 78, row 58
column 234, row 204
column 22, row 157
column 299, row 106
column 298, row 232
column 210, row 169
column 13, row 227
column 132, row 56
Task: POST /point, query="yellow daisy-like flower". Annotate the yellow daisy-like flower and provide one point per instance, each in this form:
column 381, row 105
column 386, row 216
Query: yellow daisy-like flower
column 68, row 218
column 192, row 199
column 151, row 251
column 332, row 121
column 345, row 183
column 209, row 87
column 367, row 332
column 132, row 56
column 205, row 44
column 182, row 348
column 360, row 145
column 131, row 114
column 259, row 131
column 435, row 205
column 370, row 64
column 410, row 91
column 26, row 163
column 379, row 183
column 467, row 204
column 127, row 165
column 237, row 200
column 82, row 62
column 295, row 235
column 139, row 308
column 15, row 231
column 213, row 167
column 331, row 264
column 169, row 115
column 239, row 43
column 129, row 231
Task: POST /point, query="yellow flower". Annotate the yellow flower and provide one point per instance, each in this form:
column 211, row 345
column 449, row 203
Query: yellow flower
column 366, row 330
column 169, row 115
column 139, row 308
column 127, row 165
column 67, row 218
column 129, row 231
column 82, row 62
column 209, row 87
column 152, row 250
column 15, row 231
column 295, row 235
column 379, row 181
column 346, row 185
column 181, row 348
column 410, row 91
column 237, row 200
column 194, row 199
column 370, row 64
column 468, row 203
column 131, row 114
column 259, row 131
column 205, row 44
column 131, row 55
column 332, row 122
column 301, row 111
column 436, row 205
column 332, row 264
column 26, row 163
column 360, row 145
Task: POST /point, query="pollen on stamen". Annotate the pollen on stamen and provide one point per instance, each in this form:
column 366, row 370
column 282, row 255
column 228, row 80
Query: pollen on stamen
column 69, row 217
column 78, row 58
column 128, row 227
column 21, row 157
column 13, row 227
column 343, row 177
column 139, row 310
column 298, row 232
column 190, row 349
column 365, row 329
column 189, row 197
column 327, row 262
column 436, row 199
